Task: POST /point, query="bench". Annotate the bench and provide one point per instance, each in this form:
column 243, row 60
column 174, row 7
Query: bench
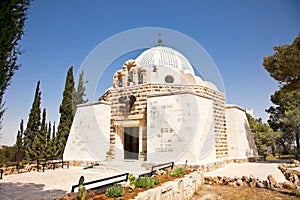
column 44, row 162
column 154, row 168
column 103, row 184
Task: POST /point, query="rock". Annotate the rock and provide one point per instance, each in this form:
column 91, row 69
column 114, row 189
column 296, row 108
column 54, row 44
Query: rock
column 295, row 171
column 252, row 182
column 296, row 162
column 215, row 180
column 239, row 182
column 288, row 185
column 282, row 167
column 272, row 180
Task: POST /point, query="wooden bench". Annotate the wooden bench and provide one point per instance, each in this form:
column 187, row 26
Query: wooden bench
column 44, row 162
column 154, row 168
column 102, row 184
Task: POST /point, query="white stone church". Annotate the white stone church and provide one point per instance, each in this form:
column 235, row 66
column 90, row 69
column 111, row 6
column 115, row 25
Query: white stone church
column 157, row 105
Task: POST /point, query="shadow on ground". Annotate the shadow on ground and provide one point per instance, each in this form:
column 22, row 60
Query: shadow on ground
column 27, row 191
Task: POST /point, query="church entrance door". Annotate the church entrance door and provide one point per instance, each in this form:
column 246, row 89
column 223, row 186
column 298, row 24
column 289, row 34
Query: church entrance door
column 131, row 143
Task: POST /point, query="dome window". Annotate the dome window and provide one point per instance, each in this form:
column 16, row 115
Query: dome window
column 169, row 79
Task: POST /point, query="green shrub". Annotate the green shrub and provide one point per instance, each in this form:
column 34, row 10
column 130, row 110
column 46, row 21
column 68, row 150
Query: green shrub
column 115, row 191
column 156, row 181
column 144, row 182
column 177, row 172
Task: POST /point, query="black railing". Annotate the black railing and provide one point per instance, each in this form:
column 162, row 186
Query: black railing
column 154, row 168
column 103, row 187
column 1, row 173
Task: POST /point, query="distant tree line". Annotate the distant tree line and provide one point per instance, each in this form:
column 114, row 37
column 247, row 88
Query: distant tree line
column 40, row 139
column 282, row 133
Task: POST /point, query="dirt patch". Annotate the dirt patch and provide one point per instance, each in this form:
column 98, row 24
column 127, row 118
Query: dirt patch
column 230, row 193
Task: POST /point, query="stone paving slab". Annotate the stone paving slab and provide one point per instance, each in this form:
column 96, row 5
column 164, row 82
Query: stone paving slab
column 46, row 185
column 261, row 170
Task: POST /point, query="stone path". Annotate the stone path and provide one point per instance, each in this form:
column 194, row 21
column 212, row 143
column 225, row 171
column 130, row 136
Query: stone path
column 55, row 183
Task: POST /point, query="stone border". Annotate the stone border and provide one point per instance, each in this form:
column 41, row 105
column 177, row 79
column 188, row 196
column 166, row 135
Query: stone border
column 181, row 188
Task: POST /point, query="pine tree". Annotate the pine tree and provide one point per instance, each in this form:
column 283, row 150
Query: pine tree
column 66, row 111
column 19, row 142
column 12, row 20
column 34, row 122
column 79, row 94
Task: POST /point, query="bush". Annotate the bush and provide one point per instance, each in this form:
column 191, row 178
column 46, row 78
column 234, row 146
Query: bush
column 156, row 181
column 132, row 180
column 115, row 191
column 177, row 172
column 144, row 182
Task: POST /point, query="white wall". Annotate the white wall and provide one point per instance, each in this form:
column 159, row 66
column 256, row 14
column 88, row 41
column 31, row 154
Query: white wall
column 89, row 135
column 240, row 140
column 179, row 128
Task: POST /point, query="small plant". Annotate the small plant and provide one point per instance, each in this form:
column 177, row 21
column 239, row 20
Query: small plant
column 109, row 153
column 144, row 182
column 115, row 191
column 177, row 172
column 81, row 189
column 142, row 152
column 132, row 180
column 156, row 181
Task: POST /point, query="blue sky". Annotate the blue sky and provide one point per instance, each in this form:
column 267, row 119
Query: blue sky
column 236, row 34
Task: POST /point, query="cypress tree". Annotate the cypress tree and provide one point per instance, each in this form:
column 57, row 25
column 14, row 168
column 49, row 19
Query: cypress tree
column 19, row 142
column 66, row 111
column 38, row 148
column 34, row 122
column 79, row 94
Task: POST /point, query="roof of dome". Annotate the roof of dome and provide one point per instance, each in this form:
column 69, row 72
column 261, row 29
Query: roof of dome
column 162, row 56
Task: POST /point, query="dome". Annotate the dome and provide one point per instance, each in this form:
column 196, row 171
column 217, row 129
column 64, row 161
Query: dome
column 162, row 56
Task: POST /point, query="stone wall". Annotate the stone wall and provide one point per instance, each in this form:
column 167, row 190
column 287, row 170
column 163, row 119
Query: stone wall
column 181, row 188
column 125, row 107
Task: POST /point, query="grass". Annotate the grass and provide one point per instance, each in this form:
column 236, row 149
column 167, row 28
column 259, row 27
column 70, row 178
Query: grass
column 280, row 157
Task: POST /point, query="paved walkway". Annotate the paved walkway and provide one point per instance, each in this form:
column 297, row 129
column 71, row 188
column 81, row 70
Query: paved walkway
column 261, row 170
column 55, row 183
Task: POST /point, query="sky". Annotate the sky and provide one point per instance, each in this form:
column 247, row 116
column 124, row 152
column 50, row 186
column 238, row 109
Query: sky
column 62, row 33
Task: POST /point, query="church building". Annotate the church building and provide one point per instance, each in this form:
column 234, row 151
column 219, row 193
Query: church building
column 159, row 108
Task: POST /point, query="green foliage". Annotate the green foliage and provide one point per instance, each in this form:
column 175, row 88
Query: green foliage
column 285, row 118
column 284, row 65
column 7, row 155
column 144, row 182
column 19, row 141
column 33, row 124
column 12, row 21
column 156, row 181
column 177, row 172
column 81, row 189
column 264, row 136
column 132, row 180
column 115, row 191
column 109, row 153
column 66, row 111
column 79, row 94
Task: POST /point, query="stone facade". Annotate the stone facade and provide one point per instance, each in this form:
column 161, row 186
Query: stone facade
column 136, row 115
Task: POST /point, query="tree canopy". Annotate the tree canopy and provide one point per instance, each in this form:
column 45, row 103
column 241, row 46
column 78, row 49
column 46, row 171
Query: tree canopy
column 284, row 64
column 13, row 15
column 285, row 117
